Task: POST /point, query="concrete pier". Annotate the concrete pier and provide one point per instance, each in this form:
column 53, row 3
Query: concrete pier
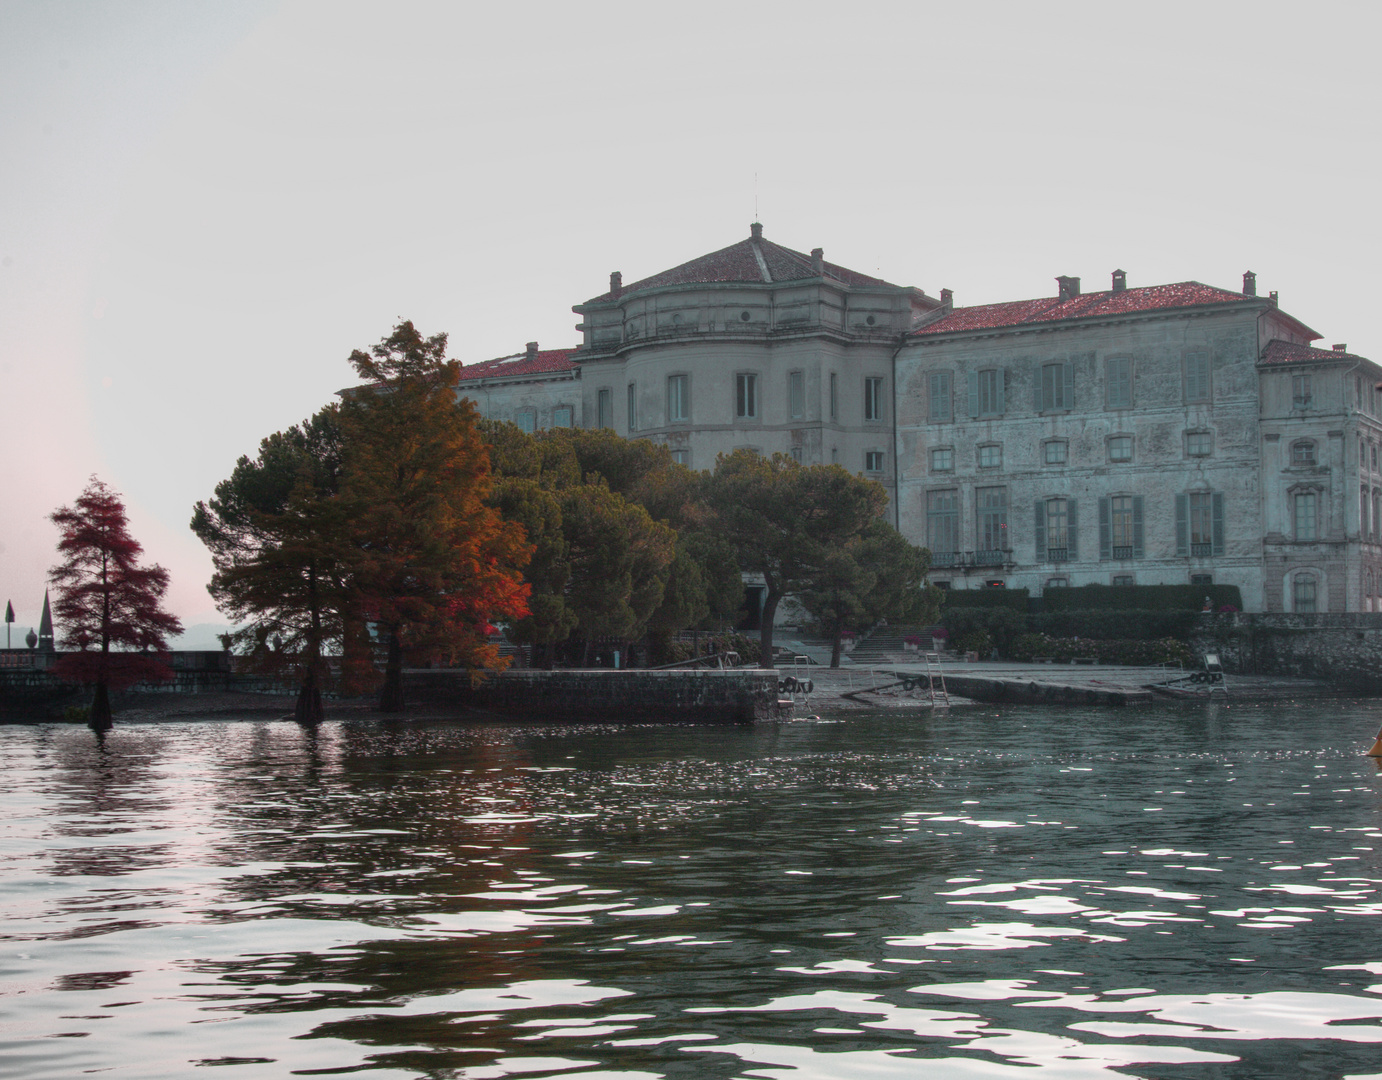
column 1059, row 684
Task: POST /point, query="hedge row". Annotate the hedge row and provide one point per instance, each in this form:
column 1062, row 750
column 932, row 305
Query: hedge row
column 1121, row 625
column 1014, row 599
column 1118, row 651
column 1139, row 598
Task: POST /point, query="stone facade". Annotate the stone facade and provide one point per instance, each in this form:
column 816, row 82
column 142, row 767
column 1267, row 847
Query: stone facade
column 534, row 389
column 1158, row 435
column 1147, row 436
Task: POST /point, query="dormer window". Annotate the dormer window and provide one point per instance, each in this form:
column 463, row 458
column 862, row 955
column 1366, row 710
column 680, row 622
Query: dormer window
column 1303, row 453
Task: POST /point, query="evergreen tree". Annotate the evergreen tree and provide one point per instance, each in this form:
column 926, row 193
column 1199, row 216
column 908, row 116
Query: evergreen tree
column 431, row 561
column 277, row 537
column 787, row 521
column 107, row 604
column 878, row 575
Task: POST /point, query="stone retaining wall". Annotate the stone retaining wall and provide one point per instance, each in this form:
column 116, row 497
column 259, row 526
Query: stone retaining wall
column 1342, row 648
column 738, row 695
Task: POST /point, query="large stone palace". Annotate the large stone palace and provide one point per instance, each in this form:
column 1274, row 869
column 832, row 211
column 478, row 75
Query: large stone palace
column 1166, row 434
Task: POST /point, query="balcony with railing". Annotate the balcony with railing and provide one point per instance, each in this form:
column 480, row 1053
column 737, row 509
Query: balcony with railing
column 967, row 560
column 1122, row 551
column 1201, row 550
column 1057, row 554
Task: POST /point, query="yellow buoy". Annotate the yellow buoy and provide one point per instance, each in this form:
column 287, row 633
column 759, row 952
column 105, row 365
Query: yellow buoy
column 1376, row 750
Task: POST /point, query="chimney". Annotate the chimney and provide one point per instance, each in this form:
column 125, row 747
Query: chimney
column 1069, row 287
column 1249, row 284
column 1341, row 347
column 1272, row 297
column 818, row 261
column 756, row 231
column 616, row 285
column 947, row 301
column 1120, row 280
column 532, row 350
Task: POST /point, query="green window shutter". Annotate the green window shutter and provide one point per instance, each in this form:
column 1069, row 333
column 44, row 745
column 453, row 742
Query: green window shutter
column 1182, row 524
column 1137, row 545
column 1040, row 530
column 1002, row 390
column 1105, row 530
column 1037, row 379
column 1068, row 391
column 1217, row 509
column 1072, row 522
column 973, row 394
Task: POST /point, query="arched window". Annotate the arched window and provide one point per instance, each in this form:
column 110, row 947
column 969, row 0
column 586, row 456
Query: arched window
column 1304, row 594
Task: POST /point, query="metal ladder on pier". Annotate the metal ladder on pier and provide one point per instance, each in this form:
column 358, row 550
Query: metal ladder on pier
column 799, row 684
column 931, row 676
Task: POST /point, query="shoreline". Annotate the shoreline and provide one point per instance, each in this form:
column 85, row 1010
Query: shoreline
column 837, row 691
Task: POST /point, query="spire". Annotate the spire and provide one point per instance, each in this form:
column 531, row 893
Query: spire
column 45, row 626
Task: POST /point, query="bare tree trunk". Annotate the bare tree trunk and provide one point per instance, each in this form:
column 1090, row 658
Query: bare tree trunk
column 309, row 704
column 391, row 696
column 308, row 710
column 765, row 630
column 835, row 645
column 100, row 708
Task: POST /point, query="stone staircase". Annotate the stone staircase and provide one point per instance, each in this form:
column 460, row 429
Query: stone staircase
column 884, row 645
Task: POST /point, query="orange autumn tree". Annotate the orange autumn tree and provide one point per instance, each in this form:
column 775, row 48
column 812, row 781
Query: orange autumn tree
column 431, row 563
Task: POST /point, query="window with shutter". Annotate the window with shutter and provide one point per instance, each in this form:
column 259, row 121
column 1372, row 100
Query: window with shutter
column 1118, row 382
column 942, row 398
column 986, row 392
column 1197, row 376
column 943, row 526
column 1056, row 387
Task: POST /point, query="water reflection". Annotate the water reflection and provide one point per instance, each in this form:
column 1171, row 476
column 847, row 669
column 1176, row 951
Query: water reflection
column 1195, row 895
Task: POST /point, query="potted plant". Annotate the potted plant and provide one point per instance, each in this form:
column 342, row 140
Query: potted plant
column 912, row 642
column 940, row 639
column 848, row 639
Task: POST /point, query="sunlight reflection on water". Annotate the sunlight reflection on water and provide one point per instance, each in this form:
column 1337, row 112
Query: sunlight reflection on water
column 989, row 894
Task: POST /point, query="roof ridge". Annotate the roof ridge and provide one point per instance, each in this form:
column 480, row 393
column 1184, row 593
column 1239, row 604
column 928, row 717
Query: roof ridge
column 754, row 242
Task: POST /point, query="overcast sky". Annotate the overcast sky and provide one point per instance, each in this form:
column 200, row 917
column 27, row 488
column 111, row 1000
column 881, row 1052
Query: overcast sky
column 205, row 207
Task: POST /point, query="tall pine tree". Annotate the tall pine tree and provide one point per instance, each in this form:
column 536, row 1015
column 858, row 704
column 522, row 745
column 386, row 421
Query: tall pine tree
column 431, row 562
column 275, row 530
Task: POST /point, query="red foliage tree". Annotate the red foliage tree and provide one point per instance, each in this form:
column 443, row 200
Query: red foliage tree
column 433, row 563
column 107, row 604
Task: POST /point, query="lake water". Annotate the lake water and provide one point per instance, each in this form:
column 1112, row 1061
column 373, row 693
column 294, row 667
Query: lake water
column 1149, row 892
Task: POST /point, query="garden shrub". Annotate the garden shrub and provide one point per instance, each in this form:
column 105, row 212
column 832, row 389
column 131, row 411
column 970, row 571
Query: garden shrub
column 999, row 625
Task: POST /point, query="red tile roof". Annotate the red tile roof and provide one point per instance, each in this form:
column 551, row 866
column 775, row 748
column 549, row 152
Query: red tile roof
column 545, row 362
column 1087, row 306
column 739, row 262
column 1287, row 352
